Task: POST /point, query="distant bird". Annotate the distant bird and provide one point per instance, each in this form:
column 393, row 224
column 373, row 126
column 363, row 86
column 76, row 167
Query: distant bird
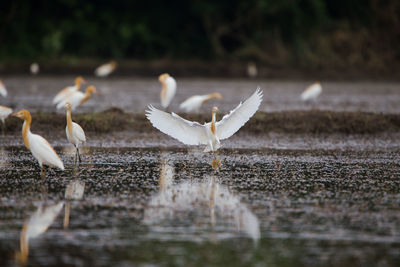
column 193, row 103
column 39, row 147
column 34, row 67
column 4, row 113
column 105, row 69
column 77, row 98
column 252, row 71
column 312, row 92
column 210, row 134
column 64, row 93
column 75, row 133
column 3, row 90
column 38, row 224
column 168, row 89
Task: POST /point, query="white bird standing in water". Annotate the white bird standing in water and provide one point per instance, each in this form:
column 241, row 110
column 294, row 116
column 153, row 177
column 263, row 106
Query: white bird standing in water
column 312, row 92
column 75, row 133
column 3, row 90
column 105, row 69
column 77, row 98
column 210, row 134
column 34, row 68
column 194, row 103
column 168, row 89
column 39, row 147
column 64, row 93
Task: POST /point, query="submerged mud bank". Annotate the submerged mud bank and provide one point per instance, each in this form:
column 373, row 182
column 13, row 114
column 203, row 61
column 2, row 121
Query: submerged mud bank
column 304, row 122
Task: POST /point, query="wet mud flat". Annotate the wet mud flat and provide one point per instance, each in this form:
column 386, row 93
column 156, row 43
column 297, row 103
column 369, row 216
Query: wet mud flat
column 289, row 199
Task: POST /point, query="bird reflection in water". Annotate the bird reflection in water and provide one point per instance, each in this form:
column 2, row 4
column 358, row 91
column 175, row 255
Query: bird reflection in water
column 37, row 224
column 73, row 191
column 216, row 163
column 192, row 202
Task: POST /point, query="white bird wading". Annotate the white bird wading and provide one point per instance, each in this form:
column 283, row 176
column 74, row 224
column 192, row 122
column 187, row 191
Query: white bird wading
column 209, row 134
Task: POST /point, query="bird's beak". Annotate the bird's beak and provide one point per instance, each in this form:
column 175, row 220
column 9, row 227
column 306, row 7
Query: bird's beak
column 15, row 114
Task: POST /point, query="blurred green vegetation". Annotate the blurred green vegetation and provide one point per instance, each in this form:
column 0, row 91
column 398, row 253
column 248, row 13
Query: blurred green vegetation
column 303, row 33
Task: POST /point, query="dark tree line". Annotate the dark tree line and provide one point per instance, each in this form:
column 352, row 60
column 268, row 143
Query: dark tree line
column 287, row 32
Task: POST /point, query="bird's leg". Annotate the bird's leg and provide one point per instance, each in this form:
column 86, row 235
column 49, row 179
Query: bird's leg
column 79, row 156
column 43, row 173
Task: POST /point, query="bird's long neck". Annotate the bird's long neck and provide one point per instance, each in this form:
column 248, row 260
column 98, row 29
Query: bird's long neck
column 210, row 96
column 78, row 85
column 163, row 90
column 26, row 128
column 213, row 129
column 86, row 97
column 69, row 121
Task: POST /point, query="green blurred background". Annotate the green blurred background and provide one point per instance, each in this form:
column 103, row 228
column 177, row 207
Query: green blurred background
column 308, row 34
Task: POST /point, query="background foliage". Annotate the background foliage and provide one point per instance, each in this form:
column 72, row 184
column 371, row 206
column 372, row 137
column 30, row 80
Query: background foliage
column 305, row 33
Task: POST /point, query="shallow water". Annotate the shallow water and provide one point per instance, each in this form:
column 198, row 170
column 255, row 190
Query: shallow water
column 134, row 94
column 168, row 206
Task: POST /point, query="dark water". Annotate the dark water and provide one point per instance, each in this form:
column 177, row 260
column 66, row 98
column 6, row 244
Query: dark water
column 168, row 206
column 134, row 94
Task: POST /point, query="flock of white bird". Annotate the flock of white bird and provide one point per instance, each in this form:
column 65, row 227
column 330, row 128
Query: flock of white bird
column 188, row 132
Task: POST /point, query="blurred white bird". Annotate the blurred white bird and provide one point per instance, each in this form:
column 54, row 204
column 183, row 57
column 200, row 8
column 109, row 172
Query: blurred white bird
column 168, row 89
column 252, row 71
column 75, row 133
column 105, row 69
column 312, row 92
column 38, row 223
column 3, row 90
column 77, row 98
column 39, row 147
column 34, row 68
column 64, row 93
column 193, row 103
column 4, row 113
column 210, row 134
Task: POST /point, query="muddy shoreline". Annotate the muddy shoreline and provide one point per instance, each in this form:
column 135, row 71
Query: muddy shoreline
column 312, row 122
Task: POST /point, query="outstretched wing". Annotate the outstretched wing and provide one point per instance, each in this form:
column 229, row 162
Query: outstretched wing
column 188, row 132
column 233, row 121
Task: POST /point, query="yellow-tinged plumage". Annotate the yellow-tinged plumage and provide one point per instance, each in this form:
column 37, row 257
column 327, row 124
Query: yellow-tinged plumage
column 39, row 147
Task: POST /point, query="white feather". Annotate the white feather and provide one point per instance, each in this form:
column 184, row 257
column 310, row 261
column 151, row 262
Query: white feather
column 4, row 113
column 74, row 99
column 170, row 85
column 188, row 132
column 233, row 121
column 64, row 93
column 43, row 151
column 311, row 92
column 3, row 90
column 78, row 135
column 193, row 103
column 104, row 70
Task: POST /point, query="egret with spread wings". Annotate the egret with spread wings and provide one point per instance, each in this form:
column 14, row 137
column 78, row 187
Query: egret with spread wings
column 209, row 134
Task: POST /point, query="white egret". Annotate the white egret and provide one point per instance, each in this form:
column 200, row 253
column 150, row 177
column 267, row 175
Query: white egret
column 64, row 93
column 75, row 133
column 210, row 134
column 193, row 103
column 3, row 90
column 168, row 89
column 105, row 69
column 77, row 98
column 39, row 147
column 252, row 71
column 34, row 68
column 312, row 92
